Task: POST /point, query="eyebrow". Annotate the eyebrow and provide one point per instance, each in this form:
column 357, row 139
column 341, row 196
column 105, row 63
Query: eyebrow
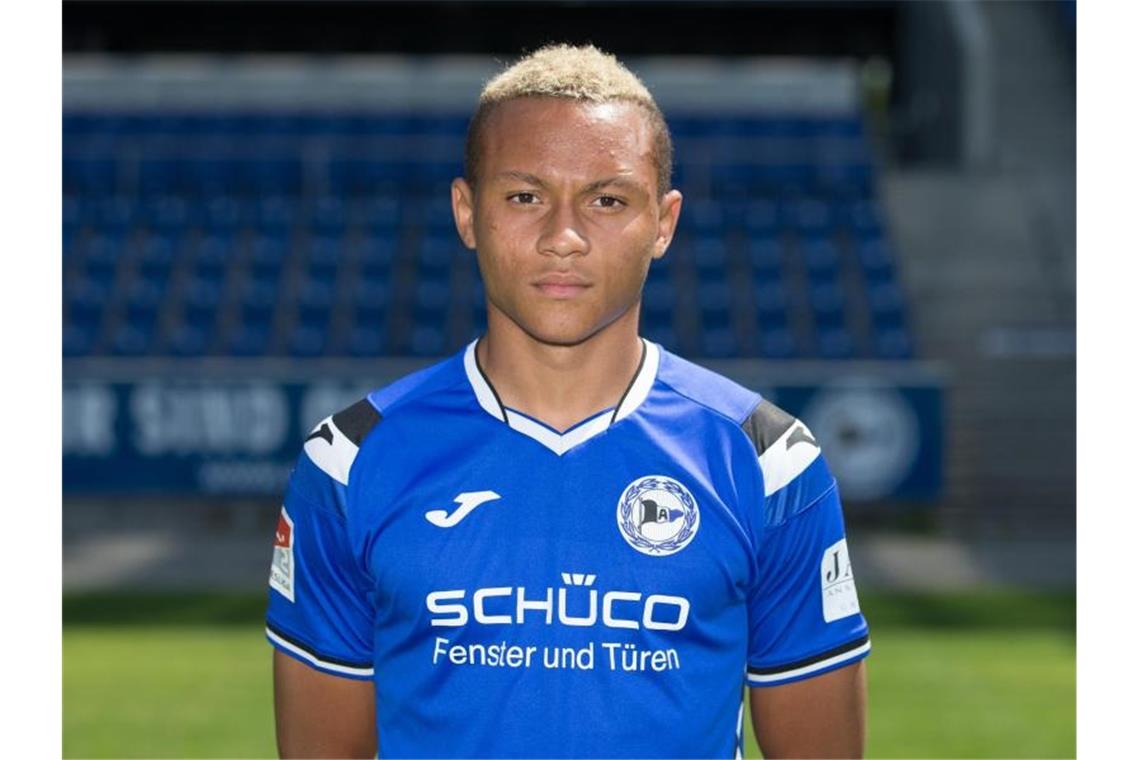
column 617, row 181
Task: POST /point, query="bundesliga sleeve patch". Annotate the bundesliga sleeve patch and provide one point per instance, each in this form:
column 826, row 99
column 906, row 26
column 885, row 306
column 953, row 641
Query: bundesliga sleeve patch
column 838, row 583
column 281, row 571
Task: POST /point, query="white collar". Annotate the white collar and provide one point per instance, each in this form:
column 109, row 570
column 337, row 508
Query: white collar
column 557, row 442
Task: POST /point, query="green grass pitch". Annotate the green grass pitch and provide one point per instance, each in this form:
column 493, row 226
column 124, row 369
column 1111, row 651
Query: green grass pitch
column 984, row 675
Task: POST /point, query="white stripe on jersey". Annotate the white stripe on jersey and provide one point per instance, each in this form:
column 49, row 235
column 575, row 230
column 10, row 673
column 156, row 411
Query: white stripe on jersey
column 310, row 657
column 781, row 464
column 754, row 678
column 333, row 458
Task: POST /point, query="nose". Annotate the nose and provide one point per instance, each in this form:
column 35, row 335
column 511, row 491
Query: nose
column 562, row 233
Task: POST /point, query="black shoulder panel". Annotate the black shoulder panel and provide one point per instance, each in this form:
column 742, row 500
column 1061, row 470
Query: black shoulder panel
column 766, row 424
column 357, row 421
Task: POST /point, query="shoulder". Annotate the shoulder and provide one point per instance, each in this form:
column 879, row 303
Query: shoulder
column 440, row 376
column 706, row 388
column 793, row 473
column 793, row 469
column 335, row 442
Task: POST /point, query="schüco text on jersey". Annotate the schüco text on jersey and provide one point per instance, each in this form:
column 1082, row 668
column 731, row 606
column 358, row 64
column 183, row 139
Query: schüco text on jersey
column 617, row 656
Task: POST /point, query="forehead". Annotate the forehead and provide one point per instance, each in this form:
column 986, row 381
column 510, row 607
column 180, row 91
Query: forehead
column 567, row 137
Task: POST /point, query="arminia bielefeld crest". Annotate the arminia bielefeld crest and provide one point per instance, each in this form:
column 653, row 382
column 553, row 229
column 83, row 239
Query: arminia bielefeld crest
column 657, row 516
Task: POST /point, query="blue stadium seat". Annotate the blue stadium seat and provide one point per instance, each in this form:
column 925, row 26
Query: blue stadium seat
column 114, row 214
column 811, row 217
column 248, row 339
column 478, row 317
column 893, row 343
column 329, row 215
column 820, row 258
column 132, row 340
column 356, row 176
column 284, row 175
column 217, row 250
column 706, row 217
column 315, row 301
column 875, row 260
column 277, row 214
column 169, row 214
column 762, row 218
column 433, row 178
column 168, row 176
column 658, row 301
column 203, row 293
column 710, row 255
column 447, row 125
column 380, row 214
column 778, row 343
column 438, row 253
column 156, row 256
column 367, row 341
column 431, row 304
column 85, row 299
column 69, row 244
column 766, row 255
column 102, row 255
column 326, row 252
column 835, row 343
column 827, row 302
column 72, row 212
column 371, row 292
column 143, row 300
column 771, row 300
column 663, row 334
column 735, row 211
column 784, row 178
column 259, row 297
column 865, row 219
column 78, row 340
column 221, row 185
column 95, row 177
column 427, row 340
column 853, row 180
column 308, row 340
column 189, row 341
column 267, row 256
column 714, row 296
column 227, row 214
column 375, row 256
column 719, row 342
column 887, row 304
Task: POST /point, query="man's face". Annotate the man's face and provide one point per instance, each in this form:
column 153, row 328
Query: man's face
column 566, row 217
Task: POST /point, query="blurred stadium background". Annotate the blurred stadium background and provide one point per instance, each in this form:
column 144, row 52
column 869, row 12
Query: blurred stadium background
column 878, row 233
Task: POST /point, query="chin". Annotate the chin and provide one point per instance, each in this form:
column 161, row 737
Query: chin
column 560, row 334
column 559, row 327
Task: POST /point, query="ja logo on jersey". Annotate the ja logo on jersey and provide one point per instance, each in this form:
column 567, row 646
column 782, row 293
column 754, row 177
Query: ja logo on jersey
column 657, row 516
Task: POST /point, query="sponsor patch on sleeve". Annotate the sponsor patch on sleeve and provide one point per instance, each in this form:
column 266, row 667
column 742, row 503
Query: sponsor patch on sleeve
column 838, row 583
column 281, row 571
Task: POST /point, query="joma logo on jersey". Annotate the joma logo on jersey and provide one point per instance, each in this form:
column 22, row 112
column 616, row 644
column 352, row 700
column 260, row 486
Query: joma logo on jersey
column 579, row 607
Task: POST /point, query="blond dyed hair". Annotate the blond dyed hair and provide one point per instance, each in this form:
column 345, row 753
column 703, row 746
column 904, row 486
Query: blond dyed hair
column 582, row 73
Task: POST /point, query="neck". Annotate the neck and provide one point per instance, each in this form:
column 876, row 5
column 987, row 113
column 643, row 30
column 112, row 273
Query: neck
column 560, row 385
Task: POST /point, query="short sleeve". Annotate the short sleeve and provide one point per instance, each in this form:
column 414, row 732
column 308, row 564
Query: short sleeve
column 320, row 599
column 803, row 610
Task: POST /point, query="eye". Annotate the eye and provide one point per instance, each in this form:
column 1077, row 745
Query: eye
column 523, row 198
column 609, row 201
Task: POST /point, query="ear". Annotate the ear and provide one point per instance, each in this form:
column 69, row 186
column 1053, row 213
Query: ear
column 669, row 211
column 463, row 209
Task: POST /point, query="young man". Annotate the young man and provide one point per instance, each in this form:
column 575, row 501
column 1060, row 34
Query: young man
column 564, row 541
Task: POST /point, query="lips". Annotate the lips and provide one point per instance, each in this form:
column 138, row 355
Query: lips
column 561, row 284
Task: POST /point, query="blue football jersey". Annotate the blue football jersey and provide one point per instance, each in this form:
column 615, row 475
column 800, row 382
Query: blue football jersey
column 606, row 591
